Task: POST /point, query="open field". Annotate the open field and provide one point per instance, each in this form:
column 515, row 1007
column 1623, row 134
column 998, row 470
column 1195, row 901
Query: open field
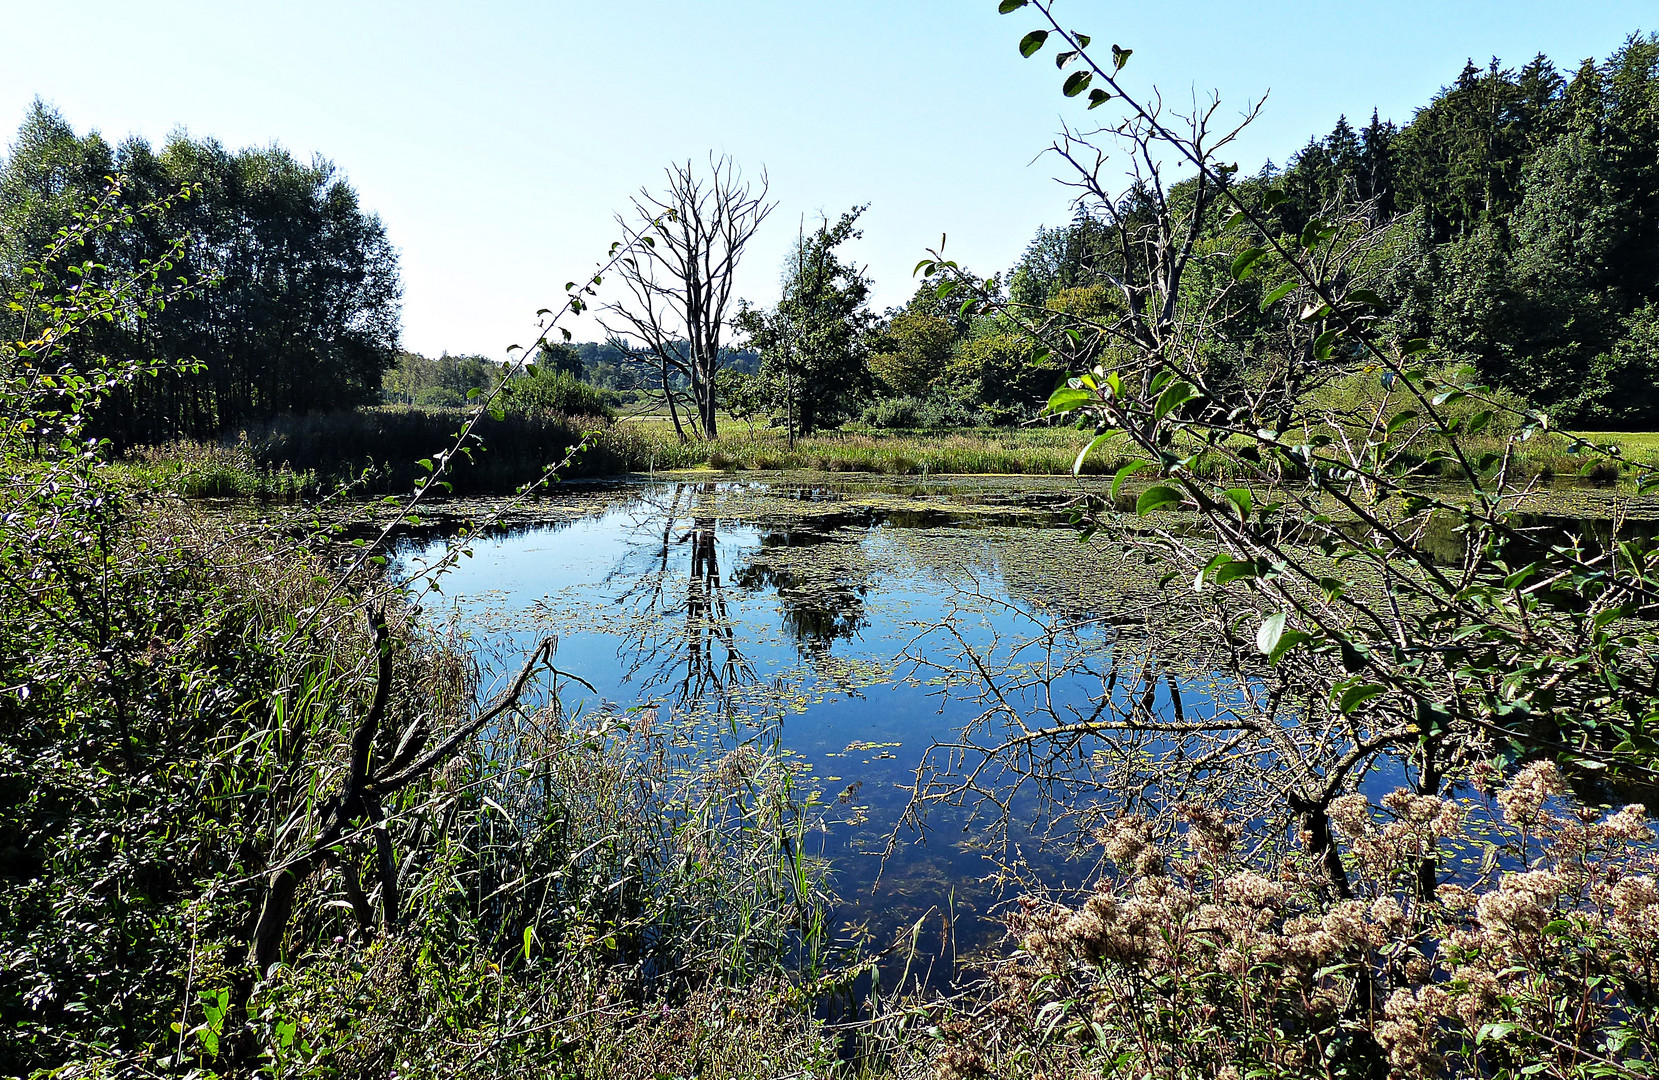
column 1638, row 446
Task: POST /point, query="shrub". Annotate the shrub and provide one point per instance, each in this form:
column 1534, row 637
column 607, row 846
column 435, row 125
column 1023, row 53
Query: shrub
column 937, row 410
column 896, row 412
column 1476, row 937
column 550, row 393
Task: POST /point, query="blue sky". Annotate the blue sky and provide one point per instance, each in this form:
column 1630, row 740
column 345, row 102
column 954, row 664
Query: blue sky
column 496, row 139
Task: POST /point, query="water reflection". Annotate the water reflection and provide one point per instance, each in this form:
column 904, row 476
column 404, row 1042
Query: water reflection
column 685, row 647
column 792, row 612
column 816, row 612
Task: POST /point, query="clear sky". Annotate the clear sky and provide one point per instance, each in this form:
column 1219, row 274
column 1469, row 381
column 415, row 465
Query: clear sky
column 497, row 139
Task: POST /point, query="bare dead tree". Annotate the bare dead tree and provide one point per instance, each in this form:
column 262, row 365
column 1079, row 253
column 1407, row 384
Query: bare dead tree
column 679, row 287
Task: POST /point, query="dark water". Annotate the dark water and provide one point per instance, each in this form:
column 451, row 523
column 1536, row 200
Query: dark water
column 797, row 613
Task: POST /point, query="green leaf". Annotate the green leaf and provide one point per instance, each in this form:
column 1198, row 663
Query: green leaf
column 1401, row 420
column 1098, row 440
column 1279, row 294
column 1125, row 473
column 1271, row 630
column 1491, row 1032
column 1246, row 262
column 1155, row 498
column 1097, row 98
column 1289, row 640
column 1033, row 41
column 1010, row 5
column 1324, row 344
column 1241, row 502
column 1204, row 572
column 1355, row 696
column 1366, row 296
column 1076, row 83
column 1414, row 346
column 1177, row 394
column 1120, row 57
column 1234, row 570
column 1068, row 399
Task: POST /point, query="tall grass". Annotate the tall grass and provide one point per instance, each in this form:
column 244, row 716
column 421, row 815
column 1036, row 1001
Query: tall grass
column 1037, row 451
column 389, row 443
column 218, row 470
column 382, row 449
column 577, row 895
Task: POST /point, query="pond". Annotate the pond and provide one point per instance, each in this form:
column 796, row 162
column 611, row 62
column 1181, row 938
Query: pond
column 846, row 622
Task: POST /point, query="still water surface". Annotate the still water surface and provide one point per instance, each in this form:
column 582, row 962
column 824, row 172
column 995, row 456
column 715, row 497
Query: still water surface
column 796, row 609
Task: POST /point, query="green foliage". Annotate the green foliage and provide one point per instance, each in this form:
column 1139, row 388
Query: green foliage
column 813, row 344
column 939, row 410
column 1399, row 621
column 381, row 449
column 1515, row 229
column 304, row 314
column 217, row 471
column 211, row 738
column 549, row 392
column 1000, row 368
column 910, row 354
column 446, row 381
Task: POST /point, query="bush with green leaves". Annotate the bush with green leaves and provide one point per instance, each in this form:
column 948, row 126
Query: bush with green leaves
column 546, row 392
column 1297, row 522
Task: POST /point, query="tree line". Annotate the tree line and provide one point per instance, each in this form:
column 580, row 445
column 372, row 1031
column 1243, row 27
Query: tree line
column 1513, row 222
column 302, row 312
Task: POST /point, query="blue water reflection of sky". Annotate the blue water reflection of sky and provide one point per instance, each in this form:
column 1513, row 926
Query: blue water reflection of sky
column 614, row 586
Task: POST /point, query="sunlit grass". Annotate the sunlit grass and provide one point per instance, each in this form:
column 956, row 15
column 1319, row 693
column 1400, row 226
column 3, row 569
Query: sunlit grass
column 302, row 455
column 1638, row 446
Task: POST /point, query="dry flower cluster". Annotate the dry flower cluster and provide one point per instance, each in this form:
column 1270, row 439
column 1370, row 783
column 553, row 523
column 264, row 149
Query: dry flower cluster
column 1479, row 937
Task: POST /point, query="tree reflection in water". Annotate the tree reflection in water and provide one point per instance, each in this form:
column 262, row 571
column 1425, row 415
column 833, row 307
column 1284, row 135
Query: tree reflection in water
column 820, row 608
column 685, row 645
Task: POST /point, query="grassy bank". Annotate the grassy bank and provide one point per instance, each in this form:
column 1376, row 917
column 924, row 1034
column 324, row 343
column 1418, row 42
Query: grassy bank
column 199, row 470
column 380, row 450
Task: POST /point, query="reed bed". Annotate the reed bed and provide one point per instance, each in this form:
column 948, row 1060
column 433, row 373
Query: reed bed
column 380, row 449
